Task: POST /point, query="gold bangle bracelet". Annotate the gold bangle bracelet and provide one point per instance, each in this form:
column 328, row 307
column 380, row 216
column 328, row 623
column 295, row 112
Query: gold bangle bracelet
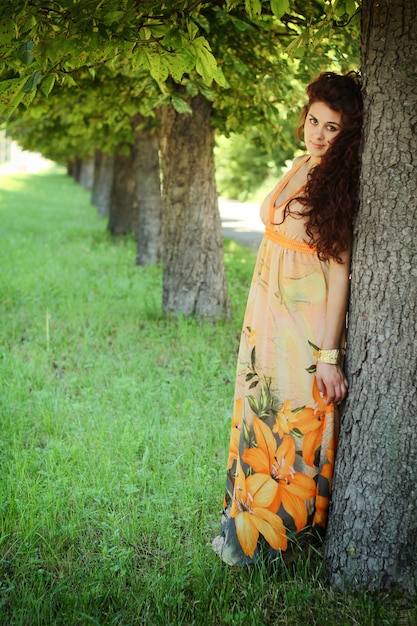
column 329, row 356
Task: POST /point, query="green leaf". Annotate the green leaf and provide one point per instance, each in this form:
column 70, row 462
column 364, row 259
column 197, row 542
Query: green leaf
column 219, row 77
column 253, row 358
column 311, row 369
column 203, row 22
column 7, row 31
column 205, row 64
column 11, row 95
column 351, row 7
column 312, row 345
column 264, row 397
column 178, row 64
column 208, row 91
column 253, row 7
column 356, row 19
column 246, row 431
column 144, row 33
column 9, row 88
column 279, row 7
column 192, row 89
column 253, row 403
column 158, row 67
column 114, row 17
column 158, row 30
column 180, row 105
column 47, row 84
column 339, row 8
column 28, row 22
column 25, row 53
column 174, row 38
column 67, row 79
column 192, row 29
column 32, row 81
column 299, row 409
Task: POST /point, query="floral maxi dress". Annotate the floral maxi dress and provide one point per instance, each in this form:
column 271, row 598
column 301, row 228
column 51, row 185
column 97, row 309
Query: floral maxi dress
column 282, row 442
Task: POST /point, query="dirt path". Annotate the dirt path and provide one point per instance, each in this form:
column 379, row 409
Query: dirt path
column 241, row 221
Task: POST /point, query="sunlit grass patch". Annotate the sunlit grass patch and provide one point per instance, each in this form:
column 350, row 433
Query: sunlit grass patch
column 115, row 426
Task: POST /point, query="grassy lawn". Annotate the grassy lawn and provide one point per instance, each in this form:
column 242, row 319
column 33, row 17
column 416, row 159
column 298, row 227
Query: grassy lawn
column 114, row 434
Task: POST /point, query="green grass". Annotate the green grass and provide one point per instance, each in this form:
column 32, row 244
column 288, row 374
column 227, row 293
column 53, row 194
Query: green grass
column 114, row 433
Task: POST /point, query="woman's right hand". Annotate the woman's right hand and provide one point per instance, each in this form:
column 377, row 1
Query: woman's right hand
column 332, row 382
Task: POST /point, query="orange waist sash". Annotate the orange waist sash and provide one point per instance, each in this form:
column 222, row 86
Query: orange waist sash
column 291, row 244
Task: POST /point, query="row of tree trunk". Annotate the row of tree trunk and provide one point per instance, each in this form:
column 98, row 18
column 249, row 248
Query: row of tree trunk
column 372, row 534
column 162, row 189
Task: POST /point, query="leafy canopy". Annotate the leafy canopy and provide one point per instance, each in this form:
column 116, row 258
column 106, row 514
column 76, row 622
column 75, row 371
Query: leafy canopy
column 43, row 43
column 265, row 53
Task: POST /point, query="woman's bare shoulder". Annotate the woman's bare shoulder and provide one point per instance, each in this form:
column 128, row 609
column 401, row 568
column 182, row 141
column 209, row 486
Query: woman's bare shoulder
column 286, row 174
column 298, row 160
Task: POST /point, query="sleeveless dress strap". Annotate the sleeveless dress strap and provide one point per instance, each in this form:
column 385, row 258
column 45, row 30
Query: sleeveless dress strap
column 273, row 235
column 284, row 183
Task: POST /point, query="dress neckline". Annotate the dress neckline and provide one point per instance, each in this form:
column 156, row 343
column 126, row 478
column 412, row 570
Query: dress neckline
column 284, row 183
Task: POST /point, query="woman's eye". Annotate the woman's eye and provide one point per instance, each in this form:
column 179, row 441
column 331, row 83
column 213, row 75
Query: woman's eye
column 331, row 128
column 313, row 120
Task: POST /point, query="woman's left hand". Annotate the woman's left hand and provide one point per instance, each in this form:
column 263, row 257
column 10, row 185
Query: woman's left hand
column 332, row 382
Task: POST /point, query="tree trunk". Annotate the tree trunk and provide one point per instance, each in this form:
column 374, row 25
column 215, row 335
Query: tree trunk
column 149, row 237
column 372, row 535
column 123, row 214
column 103, row 177
column 74, row 169
column 87, row 172
column 194, row 278
column 135, row 199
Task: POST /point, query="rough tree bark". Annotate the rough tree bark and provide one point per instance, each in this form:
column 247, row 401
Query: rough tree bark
column 372, row 535
column 135, row 199
column 194, row 278
column 103, row 177
column 148, row 235
column 123, row 210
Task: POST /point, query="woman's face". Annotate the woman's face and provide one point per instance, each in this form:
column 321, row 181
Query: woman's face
column 321, row 126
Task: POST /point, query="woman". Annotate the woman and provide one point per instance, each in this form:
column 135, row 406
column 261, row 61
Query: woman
column 289, row 373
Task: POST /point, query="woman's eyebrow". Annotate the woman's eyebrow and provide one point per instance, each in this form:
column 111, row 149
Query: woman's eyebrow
column 333, row 123
column 326, row 123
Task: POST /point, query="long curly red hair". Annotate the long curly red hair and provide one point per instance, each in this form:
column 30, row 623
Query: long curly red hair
column 331, row 195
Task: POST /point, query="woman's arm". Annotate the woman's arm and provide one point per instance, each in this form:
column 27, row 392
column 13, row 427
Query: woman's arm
column 331, row 380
